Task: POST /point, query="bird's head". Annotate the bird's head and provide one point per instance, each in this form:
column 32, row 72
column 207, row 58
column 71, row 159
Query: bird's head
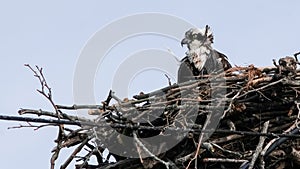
column 195, row 37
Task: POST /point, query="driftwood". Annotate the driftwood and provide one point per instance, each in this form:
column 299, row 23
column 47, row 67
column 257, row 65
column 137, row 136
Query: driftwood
column 246, row 117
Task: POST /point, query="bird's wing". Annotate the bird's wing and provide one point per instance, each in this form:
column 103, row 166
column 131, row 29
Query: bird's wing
column 224, row 60
column 186, row 71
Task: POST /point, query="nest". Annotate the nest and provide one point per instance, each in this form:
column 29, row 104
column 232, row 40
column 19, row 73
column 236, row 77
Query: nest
column 246, row 117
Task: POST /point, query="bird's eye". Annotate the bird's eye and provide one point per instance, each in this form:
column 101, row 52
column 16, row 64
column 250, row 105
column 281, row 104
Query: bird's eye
column 193, row 36
column 200, row 36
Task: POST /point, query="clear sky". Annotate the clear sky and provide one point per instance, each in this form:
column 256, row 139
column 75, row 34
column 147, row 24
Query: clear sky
column 53, row 33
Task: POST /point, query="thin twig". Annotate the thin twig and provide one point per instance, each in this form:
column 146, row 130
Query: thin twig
column 167, row 164
column 260, row 145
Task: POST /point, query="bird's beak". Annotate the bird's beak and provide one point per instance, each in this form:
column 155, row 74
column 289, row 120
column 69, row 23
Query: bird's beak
column 184, row 41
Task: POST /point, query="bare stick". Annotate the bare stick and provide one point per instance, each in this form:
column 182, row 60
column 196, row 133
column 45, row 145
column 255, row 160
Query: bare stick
column 76, row 151
column 260, row 145
column 223, row 160
column 208, row 118
column 167, row 164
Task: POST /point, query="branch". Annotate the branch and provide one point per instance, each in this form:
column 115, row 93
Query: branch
column 260, row 145
column 140, row 144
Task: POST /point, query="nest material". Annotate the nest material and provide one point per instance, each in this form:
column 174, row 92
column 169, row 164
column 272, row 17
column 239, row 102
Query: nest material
column 256, row 109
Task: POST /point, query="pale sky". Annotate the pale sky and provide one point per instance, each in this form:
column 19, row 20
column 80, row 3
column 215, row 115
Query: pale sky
column 52, row 35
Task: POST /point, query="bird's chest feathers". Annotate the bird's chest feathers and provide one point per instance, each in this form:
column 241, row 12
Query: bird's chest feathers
column 199, row 56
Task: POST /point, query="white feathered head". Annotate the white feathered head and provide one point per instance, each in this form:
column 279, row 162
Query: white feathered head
column 195, row 37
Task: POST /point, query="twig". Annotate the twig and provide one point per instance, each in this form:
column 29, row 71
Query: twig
column 167, row 164
column 39, row 74
column 169, row 80
column 231, row 103
column 207, row 121
column 75, row 152
column 57, row 149
column 223, row 160
column 261, row 88
column 39, row 120
column 129, row 126
column 227, row 151
column 259, row 146
column 36, row 127
column 49, row 114
column 78, row 107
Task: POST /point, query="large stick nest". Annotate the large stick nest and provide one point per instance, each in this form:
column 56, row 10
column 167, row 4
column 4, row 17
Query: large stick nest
column 246, row 117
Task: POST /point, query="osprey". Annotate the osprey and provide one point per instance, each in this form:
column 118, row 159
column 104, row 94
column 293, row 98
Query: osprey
column 200, row 58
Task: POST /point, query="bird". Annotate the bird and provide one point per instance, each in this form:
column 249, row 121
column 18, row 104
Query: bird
column 200, row 58
column 287, row 65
